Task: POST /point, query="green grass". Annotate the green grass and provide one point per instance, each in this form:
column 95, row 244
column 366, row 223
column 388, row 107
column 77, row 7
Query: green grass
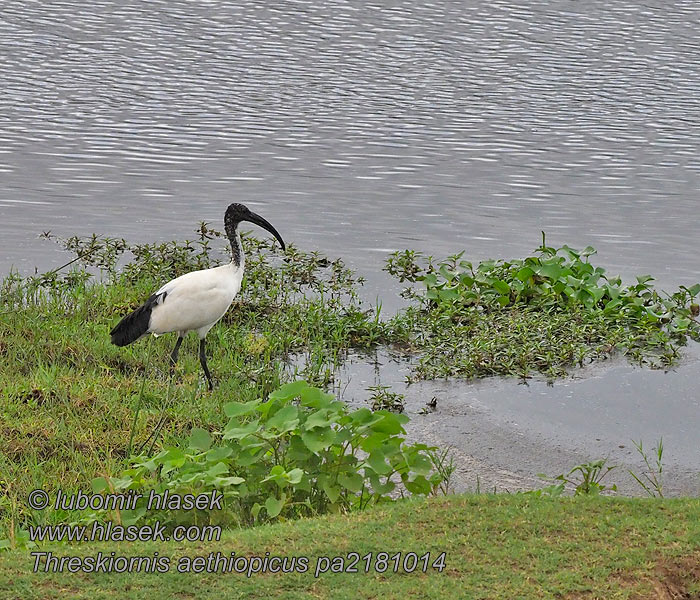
column 71, row 403
column 69, row 399
column 504, row 546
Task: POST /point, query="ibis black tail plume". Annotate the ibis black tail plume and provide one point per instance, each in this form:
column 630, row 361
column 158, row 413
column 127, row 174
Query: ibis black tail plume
column 135, row 324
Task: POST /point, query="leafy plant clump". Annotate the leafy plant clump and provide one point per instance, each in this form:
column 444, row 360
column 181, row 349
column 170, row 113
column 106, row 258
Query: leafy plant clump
column 544, row 313
column 299, row 453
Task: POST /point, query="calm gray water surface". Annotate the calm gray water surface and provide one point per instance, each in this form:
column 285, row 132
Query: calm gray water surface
column 359, row 128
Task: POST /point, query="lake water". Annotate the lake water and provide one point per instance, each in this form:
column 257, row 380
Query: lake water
column 357, row 128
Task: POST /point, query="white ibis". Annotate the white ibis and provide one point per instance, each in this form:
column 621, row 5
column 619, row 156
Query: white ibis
column 194, row 301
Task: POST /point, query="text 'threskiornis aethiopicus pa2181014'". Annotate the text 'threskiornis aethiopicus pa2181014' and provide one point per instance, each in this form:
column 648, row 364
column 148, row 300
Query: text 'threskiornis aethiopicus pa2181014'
column 194, row 301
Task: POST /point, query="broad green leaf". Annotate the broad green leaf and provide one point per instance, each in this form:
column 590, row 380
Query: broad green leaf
column 525, row 274
column 318, row 419
column 381, row 488
column 378, row 463
column 217, row 469
column 390, row 423
column 331, row 490
column 237, row 409
column 237, row 433
column 99, row 484
column 550, row 270
column 318, row 439
column 417, row 485
column 217, row 454
column 200, row 439
column 501, row 287
column 694, row 290
column 351, row 481
column 295, row 476
column 315, row 398
column 289, row 390
column 274, row 505
column 285, row 419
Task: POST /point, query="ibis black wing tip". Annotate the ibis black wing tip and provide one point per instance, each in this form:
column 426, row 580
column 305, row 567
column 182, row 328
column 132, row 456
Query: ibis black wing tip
column 135, row 324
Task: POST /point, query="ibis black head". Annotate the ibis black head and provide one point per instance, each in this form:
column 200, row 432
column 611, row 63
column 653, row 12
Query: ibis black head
column 236, row 213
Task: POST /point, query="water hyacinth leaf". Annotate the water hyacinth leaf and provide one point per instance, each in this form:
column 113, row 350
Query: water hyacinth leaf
column 373, row 441
column 131, row 517
column 99, row 484
column 550, row 270
column 430, row 280
column 295, row 476
column 525, row 274
column 503, row 300
column 227, row 482
column 297, row 450
column 200, row 439
column 351, row 481
column 446, row 273
column 377, row 461
column 501, row 287
column 284, row 419
column 417, row 485
column 249, row 457
column 219, row 453
column 174, row 455
column 682, row 323
column 466, row 280
column 274, row 505
column 694, row 290
column 289, row 390
column 419, row 463
column 449, row 294
column 390, row 423
column 237, row 433
column 363, row 416
column 379, row 487
column 315, row 398
column 597, row 293
column 318, row 439
column 320, row 418
column 217, row 469
column 238, row 409
column 330, row 489
column 277, row 474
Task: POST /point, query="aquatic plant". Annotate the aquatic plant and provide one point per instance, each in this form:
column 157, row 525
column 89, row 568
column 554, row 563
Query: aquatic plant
column 544, row 313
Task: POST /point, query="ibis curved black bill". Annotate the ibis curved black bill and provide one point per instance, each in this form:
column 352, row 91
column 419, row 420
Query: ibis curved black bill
column 265, row 224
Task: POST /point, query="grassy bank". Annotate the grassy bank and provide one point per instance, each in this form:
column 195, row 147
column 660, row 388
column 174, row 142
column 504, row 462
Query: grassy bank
column 501, row 546
column 73, row 407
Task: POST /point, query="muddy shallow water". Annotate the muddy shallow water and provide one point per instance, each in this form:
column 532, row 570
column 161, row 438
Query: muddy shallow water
column 359, row 129
column 504, row 432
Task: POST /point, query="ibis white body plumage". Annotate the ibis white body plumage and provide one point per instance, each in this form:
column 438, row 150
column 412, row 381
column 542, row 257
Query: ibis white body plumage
column 195, row 301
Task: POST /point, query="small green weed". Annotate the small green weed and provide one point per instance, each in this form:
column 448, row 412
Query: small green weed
column 382, row 398
column 586, row 479
column 651, row 480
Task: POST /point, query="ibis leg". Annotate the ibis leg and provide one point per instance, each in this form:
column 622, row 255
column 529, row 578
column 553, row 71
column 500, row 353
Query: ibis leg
column 176, row 350
column 203, row 360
